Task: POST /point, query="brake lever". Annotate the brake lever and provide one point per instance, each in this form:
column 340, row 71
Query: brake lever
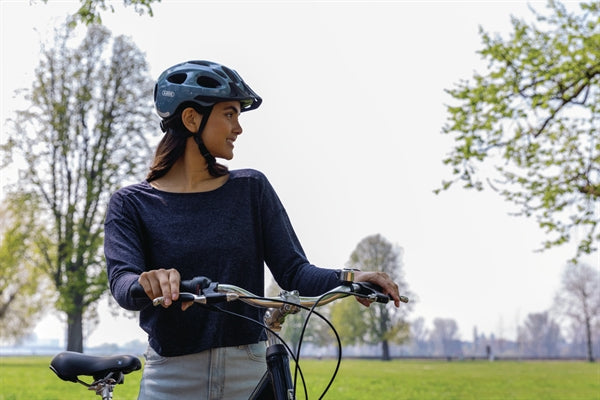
column 375, row 292
column 207, row 297
column 372, row 292
column 183, row 297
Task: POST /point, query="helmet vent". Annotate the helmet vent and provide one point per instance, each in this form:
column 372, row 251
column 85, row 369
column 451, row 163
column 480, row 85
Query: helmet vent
column 232, row 75
column 177, row 78
column 208, row 82
column 220, row 73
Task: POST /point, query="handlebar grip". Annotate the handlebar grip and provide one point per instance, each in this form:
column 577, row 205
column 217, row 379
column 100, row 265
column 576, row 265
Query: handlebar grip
column 194, row 285
column 137, row 291
column 368, row 288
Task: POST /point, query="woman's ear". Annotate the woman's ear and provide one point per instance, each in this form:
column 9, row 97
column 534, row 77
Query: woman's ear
column 191, row 119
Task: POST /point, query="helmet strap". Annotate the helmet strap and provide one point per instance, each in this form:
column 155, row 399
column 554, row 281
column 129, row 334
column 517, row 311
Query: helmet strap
column 210, row 159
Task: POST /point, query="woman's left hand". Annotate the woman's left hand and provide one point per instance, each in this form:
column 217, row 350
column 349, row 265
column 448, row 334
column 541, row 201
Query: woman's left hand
column 382, row 279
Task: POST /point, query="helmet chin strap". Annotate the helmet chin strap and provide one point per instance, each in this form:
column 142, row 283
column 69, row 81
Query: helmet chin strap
column 210, row 159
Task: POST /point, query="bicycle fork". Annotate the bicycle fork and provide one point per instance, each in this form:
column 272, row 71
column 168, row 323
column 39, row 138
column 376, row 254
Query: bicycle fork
column 276, row 383
column 278, row 367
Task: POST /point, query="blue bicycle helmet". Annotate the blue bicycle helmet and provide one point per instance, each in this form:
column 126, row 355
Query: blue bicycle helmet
column 201, row 82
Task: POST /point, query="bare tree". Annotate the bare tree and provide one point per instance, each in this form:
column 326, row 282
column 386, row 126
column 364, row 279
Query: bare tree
column 83, row 133
column 478, row 342
column 579, row 300
column 419, row 337
column 540, row 335
column 444, row 337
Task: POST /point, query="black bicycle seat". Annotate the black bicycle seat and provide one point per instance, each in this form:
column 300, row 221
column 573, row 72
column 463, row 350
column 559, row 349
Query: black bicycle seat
column 68, row 365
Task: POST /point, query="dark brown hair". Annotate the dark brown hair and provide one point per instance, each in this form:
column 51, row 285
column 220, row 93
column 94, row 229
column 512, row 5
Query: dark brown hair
column 172, row 146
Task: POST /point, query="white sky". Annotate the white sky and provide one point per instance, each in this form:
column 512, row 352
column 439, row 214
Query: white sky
column 348, row 134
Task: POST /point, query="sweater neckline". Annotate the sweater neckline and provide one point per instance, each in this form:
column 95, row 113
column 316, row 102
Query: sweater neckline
column 216, row 189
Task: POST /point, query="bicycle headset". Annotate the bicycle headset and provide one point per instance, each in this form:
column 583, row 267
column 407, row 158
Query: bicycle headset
column 200, row 84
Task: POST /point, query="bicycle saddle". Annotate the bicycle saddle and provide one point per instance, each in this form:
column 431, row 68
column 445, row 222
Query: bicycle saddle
column 69, row 364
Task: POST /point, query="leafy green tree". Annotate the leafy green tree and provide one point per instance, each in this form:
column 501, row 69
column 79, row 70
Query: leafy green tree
column 90, row 106
column 23, row 287
column 378, row 323
column 317, row 331
column 89, row 11
column 534, row 115
column 579, row 300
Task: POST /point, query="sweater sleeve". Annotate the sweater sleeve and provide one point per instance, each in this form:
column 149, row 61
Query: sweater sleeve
column 123, row 251
column 284, row 254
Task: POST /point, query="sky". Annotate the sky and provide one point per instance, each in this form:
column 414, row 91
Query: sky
column 349, row 134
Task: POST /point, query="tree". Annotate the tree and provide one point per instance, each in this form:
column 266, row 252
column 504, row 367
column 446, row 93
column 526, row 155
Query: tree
column 419, row 337
column 540, row 335
column 377, row 324
column 83, row 133
column 23, row 289
column 535, row 115
column 478, row 342
column 353, row 328
column 578, row 344
column 317, row 331
column 579, row 300
column 444, row 337
column 89, row 12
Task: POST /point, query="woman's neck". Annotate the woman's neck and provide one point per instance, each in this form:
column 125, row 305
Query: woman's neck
column 189, row 174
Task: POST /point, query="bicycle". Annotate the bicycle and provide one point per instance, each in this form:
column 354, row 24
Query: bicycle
column 276, row 383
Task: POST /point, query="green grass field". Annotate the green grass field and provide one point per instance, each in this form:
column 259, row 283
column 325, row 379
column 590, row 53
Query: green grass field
column 30, row 378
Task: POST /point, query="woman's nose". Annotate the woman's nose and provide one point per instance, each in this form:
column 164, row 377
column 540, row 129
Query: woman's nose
column 237, row 129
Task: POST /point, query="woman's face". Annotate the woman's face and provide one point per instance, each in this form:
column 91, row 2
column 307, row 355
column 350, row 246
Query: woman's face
column 222, row 129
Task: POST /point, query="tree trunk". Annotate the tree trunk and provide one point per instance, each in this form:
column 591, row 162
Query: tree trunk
column 75, row 331
column 588, row 333
column 385, row 347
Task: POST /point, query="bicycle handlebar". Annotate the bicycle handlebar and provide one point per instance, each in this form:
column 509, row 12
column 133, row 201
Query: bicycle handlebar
column 202, row 290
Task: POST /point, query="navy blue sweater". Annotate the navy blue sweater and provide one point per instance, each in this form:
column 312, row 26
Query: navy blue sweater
column 227, row 235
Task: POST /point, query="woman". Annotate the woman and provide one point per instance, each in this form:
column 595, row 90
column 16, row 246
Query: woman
column 192, row 216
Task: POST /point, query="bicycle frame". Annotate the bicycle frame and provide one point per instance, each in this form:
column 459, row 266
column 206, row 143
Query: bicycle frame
column 277, row 383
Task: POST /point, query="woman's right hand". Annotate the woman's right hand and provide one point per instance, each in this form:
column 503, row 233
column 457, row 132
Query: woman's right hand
column 162, row 282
